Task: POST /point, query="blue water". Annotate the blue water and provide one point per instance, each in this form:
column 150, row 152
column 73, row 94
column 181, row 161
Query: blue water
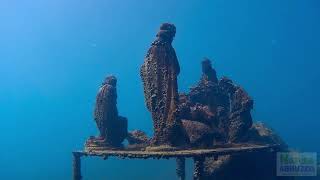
column 55, row 54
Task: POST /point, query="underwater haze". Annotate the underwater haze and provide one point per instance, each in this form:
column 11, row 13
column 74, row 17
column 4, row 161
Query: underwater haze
column 54, row 55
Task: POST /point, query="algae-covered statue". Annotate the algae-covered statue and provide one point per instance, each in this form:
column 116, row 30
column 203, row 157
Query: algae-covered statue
column 214, row 113
column 112, row 127
column 159, row 74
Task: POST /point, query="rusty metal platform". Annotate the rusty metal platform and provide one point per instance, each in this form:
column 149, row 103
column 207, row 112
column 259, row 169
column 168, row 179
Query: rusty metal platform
column 198, row 155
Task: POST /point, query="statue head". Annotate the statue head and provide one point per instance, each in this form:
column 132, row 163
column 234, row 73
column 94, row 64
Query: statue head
column 206, row 66
column 111, row 80
column 167, row 32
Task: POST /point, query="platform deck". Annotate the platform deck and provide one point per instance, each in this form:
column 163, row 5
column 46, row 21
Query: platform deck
column 198, row 155
column 186, row 153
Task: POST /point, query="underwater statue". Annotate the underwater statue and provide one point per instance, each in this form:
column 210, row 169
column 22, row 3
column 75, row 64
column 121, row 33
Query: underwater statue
column 240, row 117
column 112, row 127
column 215, row 111
column 240, row 120
column 208, row 91
column 209, row 74
column 201, row 109
column 159, row 75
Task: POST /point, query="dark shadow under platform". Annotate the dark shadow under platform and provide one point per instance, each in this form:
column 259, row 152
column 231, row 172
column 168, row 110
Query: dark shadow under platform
column 198, row 155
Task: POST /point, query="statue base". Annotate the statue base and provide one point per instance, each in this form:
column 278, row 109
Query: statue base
column 94, row 143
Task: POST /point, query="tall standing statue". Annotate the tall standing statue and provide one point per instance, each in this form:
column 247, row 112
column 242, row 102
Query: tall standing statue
column 112, row 127
column 159, row 74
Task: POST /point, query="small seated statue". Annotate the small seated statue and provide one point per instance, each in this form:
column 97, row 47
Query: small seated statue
column 112, row 127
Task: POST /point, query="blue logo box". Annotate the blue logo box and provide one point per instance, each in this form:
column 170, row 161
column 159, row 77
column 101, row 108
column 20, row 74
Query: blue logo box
column 296, row 164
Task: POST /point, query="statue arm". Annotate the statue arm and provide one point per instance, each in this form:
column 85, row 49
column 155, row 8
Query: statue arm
column 98, row 106
column 176, row 64
column 106, row 97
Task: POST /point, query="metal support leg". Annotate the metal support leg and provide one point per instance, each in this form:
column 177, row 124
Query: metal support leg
column 198, row 168
column 181, row 163
column 76, row 166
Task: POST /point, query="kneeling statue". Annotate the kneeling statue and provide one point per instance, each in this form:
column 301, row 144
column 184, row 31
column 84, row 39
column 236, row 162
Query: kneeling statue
column 112, row 127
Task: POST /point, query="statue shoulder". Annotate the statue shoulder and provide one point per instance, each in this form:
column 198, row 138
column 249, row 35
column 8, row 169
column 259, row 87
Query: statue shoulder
column 107, row 90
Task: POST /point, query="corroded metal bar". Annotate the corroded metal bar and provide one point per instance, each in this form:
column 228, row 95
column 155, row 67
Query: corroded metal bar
column 198, row 173
column 77, row 166
column 187, row 153
column 181, row 168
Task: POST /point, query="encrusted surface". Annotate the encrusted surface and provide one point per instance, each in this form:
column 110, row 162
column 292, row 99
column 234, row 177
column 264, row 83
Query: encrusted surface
column 199, row 134
column 218, row 104
column 137, row 137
